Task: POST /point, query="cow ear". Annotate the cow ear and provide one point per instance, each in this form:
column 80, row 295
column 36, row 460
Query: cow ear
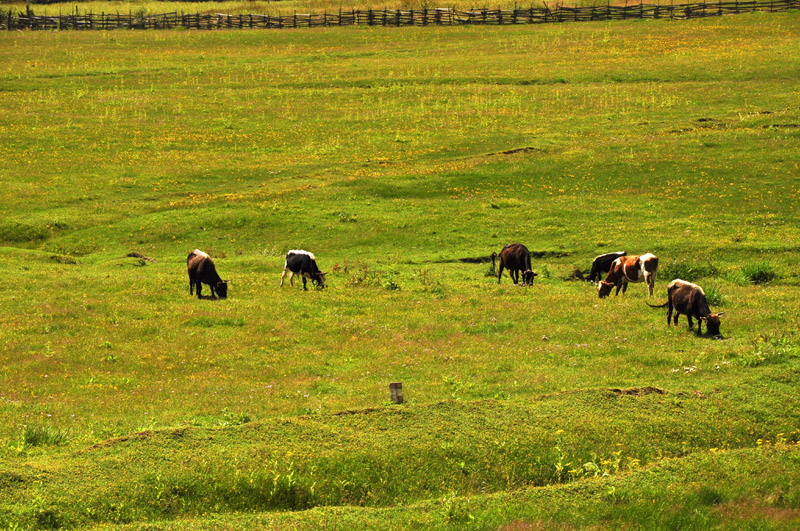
column 704, row 319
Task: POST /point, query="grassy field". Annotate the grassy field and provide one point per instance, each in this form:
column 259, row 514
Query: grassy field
column 402, row 158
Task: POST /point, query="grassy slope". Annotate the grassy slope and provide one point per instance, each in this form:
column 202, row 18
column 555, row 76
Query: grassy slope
column 382, row 151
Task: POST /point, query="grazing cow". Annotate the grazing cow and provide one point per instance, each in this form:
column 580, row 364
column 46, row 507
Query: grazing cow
column 630, row 269
column 602, row 265
column 690, row 299
column 202, row 271
column 515, row 257
column 304, row 264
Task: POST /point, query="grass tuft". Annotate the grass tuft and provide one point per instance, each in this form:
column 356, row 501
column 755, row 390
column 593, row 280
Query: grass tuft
column 760, row 273
column 714, row 295
column 43, row 436
column 686, row 270
column 709, row 496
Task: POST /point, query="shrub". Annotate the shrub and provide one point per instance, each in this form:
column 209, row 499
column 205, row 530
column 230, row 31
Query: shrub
column 389, row 283
column 760, row 273
column 491, row 271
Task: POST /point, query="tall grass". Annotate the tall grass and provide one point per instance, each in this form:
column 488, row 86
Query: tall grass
column 43, row 436
column 684, row 269
column 759, row 273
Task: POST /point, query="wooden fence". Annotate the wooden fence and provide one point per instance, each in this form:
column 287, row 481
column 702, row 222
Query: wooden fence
column 371, row 17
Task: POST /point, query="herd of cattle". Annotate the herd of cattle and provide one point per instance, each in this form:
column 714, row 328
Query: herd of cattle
column 620, row 269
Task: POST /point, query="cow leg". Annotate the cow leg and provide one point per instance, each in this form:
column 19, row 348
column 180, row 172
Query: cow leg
column 191, row 286
column 199, row 286
column 283, row 275
column 514, row 275
column 700, row 327
column 291, row 278
column 689, row 317
column 622, row 285
column 650, row 280
column 675, row 321
column 304, row 284
column 669, row 312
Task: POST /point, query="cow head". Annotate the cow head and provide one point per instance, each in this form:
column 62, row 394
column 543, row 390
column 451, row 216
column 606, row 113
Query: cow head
column 318, row 279
column 712, row 323
column 604, row 288
column 222, row 289
column 527, row 277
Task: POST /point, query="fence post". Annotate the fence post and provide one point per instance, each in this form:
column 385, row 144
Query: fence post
column 396, row 390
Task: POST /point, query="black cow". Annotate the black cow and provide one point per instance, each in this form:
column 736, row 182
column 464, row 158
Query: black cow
column 305, row 264
column 202, row 271
column 690, row 299
column 515, row 257
column 602, row 265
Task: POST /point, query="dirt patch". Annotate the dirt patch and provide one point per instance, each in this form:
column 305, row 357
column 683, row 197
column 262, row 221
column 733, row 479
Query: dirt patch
column 638, row 391
column 576, row 274
column 63, row 259
column 522, row 525
column 139, row 256
column 780, row 126
column 476, row 260
column 142, row 435
column 756, row 511
column 10, row 479
column 526, row 149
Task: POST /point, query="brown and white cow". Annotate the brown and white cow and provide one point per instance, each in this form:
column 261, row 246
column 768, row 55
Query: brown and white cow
column 690, row 299
column 626, row 269
column 515, row 257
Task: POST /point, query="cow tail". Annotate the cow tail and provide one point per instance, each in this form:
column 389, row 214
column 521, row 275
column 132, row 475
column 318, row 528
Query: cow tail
column 494, row 266
column 657, row 306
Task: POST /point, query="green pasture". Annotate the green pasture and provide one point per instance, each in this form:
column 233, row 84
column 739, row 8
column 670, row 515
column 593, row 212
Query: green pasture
column 401, row 157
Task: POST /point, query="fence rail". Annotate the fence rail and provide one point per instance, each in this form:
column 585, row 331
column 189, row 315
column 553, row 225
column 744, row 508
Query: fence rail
column 373, row 17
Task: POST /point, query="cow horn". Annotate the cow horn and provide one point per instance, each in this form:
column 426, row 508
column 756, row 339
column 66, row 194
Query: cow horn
column 720, row 313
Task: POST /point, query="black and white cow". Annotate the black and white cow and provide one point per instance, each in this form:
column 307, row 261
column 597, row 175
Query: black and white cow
column 602, row 265
column 303, row 263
